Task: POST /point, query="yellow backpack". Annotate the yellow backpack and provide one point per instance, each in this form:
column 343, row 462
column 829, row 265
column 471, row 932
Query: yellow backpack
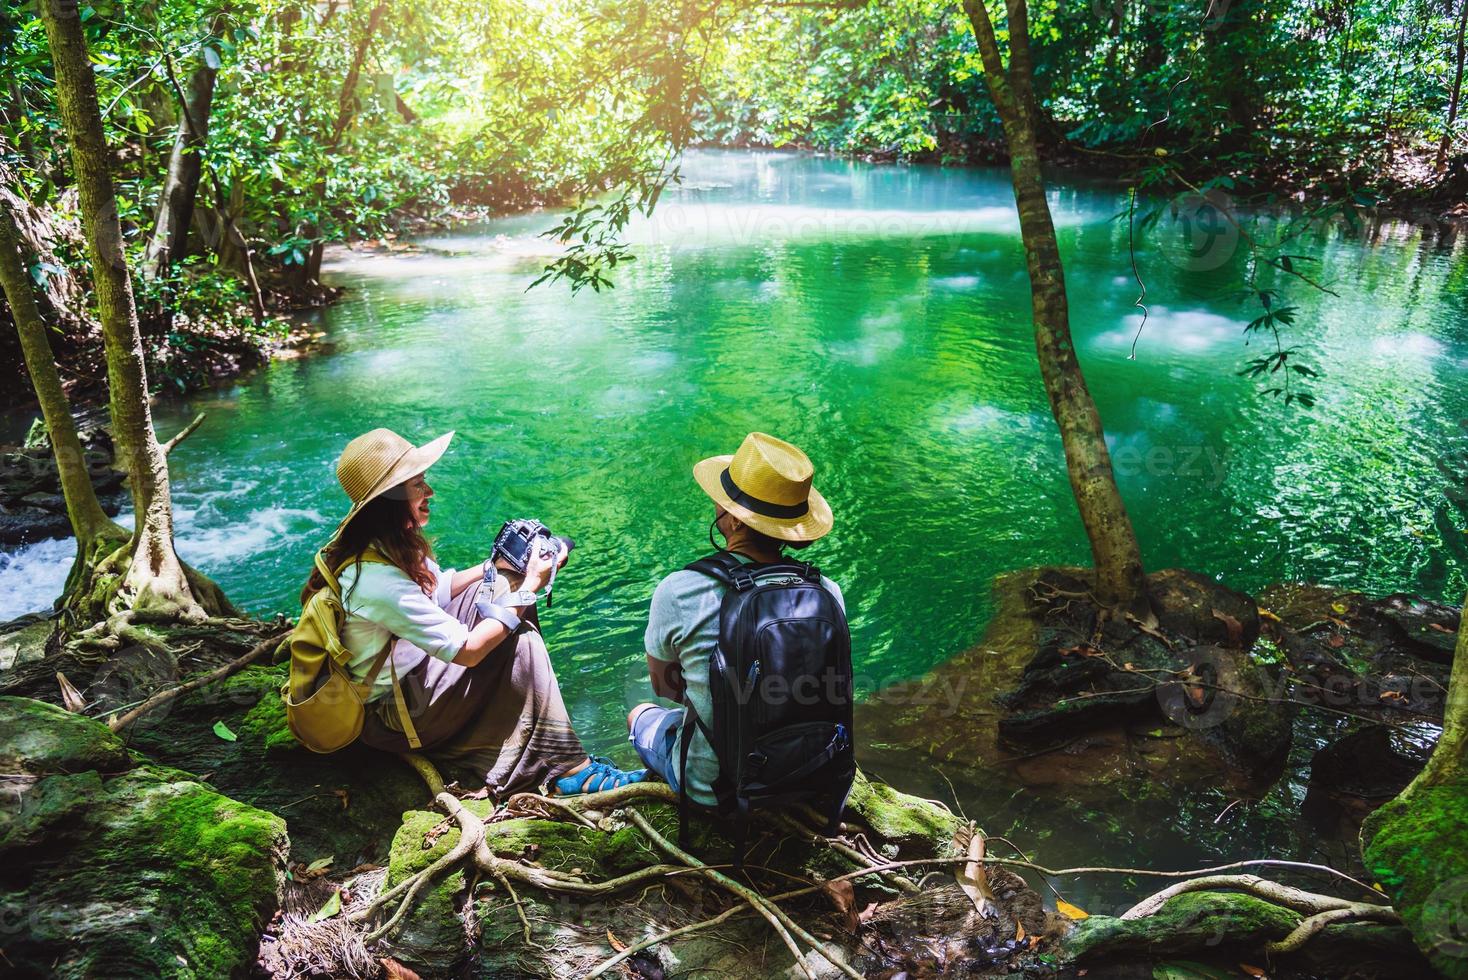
column 324, row 707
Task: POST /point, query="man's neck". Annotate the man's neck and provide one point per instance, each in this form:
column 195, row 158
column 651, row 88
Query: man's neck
column 743, row 542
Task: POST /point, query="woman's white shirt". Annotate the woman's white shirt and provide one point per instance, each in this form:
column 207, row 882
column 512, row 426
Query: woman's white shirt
column 383, row 602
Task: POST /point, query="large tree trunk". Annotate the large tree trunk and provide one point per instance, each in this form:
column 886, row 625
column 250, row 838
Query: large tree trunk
column 185, row 165
column 1118, row 562
column 1455, row 98
column 154, row 583
column 96, row 534
column 1414, row 844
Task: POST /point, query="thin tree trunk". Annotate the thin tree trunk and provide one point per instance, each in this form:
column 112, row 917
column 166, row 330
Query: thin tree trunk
column 185, row 165
column 1413, row 844
column 347, row 103
column 346, row 107
column 1457, row 94
column 155, row 582
column 95, row 532
column 1118, row 562
column 15, row 112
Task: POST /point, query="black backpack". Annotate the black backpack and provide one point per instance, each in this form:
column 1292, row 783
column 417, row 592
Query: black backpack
column 780, row 682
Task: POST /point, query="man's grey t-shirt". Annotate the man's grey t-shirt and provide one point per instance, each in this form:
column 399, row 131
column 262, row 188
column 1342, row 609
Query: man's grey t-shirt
column 683, row 628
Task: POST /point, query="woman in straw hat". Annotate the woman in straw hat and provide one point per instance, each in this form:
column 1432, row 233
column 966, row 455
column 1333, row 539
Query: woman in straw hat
column 475, row 676
column 763, row 504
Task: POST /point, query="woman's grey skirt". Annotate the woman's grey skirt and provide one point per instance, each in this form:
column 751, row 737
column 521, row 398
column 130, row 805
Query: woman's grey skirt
column 503, row 718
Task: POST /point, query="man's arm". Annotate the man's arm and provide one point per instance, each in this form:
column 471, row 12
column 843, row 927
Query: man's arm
column 662, row 640
column 667, row 678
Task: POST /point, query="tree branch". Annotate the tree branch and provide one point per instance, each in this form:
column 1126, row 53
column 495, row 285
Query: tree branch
column 229, row 669
column 183, row 434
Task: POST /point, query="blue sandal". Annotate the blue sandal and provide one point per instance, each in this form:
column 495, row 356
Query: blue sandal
column 601, row 775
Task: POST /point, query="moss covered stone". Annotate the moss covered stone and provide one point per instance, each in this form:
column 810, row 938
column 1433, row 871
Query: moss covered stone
column 345, row 805
column 41, row 738
column 431, row 935
column 1223, row 927
column 1219, row 921
column 1416, row 853
column 138, row 872
column 902, row 819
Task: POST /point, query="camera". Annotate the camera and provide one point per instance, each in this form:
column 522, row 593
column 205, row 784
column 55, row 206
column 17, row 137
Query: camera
column 515, row 539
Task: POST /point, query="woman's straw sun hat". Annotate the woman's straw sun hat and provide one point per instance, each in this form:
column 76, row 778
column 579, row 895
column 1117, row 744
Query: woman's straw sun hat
column 377, row 461
column 766, row 484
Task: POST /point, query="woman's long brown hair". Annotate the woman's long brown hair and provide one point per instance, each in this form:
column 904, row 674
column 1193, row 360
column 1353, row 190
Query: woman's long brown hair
column 386, row 525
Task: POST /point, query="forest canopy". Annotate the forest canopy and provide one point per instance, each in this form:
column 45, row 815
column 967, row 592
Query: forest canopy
column 249, row 135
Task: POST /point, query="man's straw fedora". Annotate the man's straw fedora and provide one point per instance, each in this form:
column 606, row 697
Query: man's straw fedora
column 766, row 484
column 377, row 461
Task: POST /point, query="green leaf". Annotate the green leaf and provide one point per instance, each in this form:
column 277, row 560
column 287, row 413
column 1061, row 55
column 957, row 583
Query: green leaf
column 332, row 907
column 1189, row 970
column 222, row 730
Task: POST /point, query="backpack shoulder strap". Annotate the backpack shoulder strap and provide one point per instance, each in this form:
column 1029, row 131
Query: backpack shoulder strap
column 724, row 568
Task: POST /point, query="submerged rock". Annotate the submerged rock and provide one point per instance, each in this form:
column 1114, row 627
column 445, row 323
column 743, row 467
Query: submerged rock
column 1387, row 657
column 1359, row 772
column 1057, row 694
column 115, row 868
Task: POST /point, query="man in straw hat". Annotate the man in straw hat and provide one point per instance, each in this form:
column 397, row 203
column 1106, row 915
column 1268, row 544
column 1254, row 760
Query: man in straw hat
column 475, row 675
column 763, row 503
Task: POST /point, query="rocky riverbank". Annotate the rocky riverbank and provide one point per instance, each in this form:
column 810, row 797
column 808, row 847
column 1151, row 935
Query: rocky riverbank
column 201, row 840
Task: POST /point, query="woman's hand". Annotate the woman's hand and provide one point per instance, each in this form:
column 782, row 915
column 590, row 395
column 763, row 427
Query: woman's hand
column 538, row 568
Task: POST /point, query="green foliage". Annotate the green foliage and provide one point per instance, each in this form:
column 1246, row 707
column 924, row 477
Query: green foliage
column 1336, row 95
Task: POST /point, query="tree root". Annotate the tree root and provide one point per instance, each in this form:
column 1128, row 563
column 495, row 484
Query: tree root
column 1297, row 899
column 471, row 835
column 474, row 849
column 771, row 912
column 229, row 669
column 1312, row 925
column 1319, row 910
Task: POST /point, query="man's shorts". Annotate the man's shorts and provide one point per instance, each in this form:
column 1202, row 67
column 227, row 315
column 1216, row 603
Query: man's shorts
column 655, row 737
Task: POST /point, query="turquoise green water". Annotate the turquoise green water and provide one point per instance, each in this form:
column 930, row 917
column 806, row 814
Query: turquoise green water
column 877, row 317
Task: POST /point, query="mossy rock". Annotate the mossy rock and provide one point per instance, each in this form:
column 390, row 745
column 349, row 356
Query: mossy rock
column 569, row 934
column 42, row 739
column 344, row 805
column 1416, row 852
column 1221, row 928
column 134, row 870
column 902, row 819
column 431, row 937
column 23, row 640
